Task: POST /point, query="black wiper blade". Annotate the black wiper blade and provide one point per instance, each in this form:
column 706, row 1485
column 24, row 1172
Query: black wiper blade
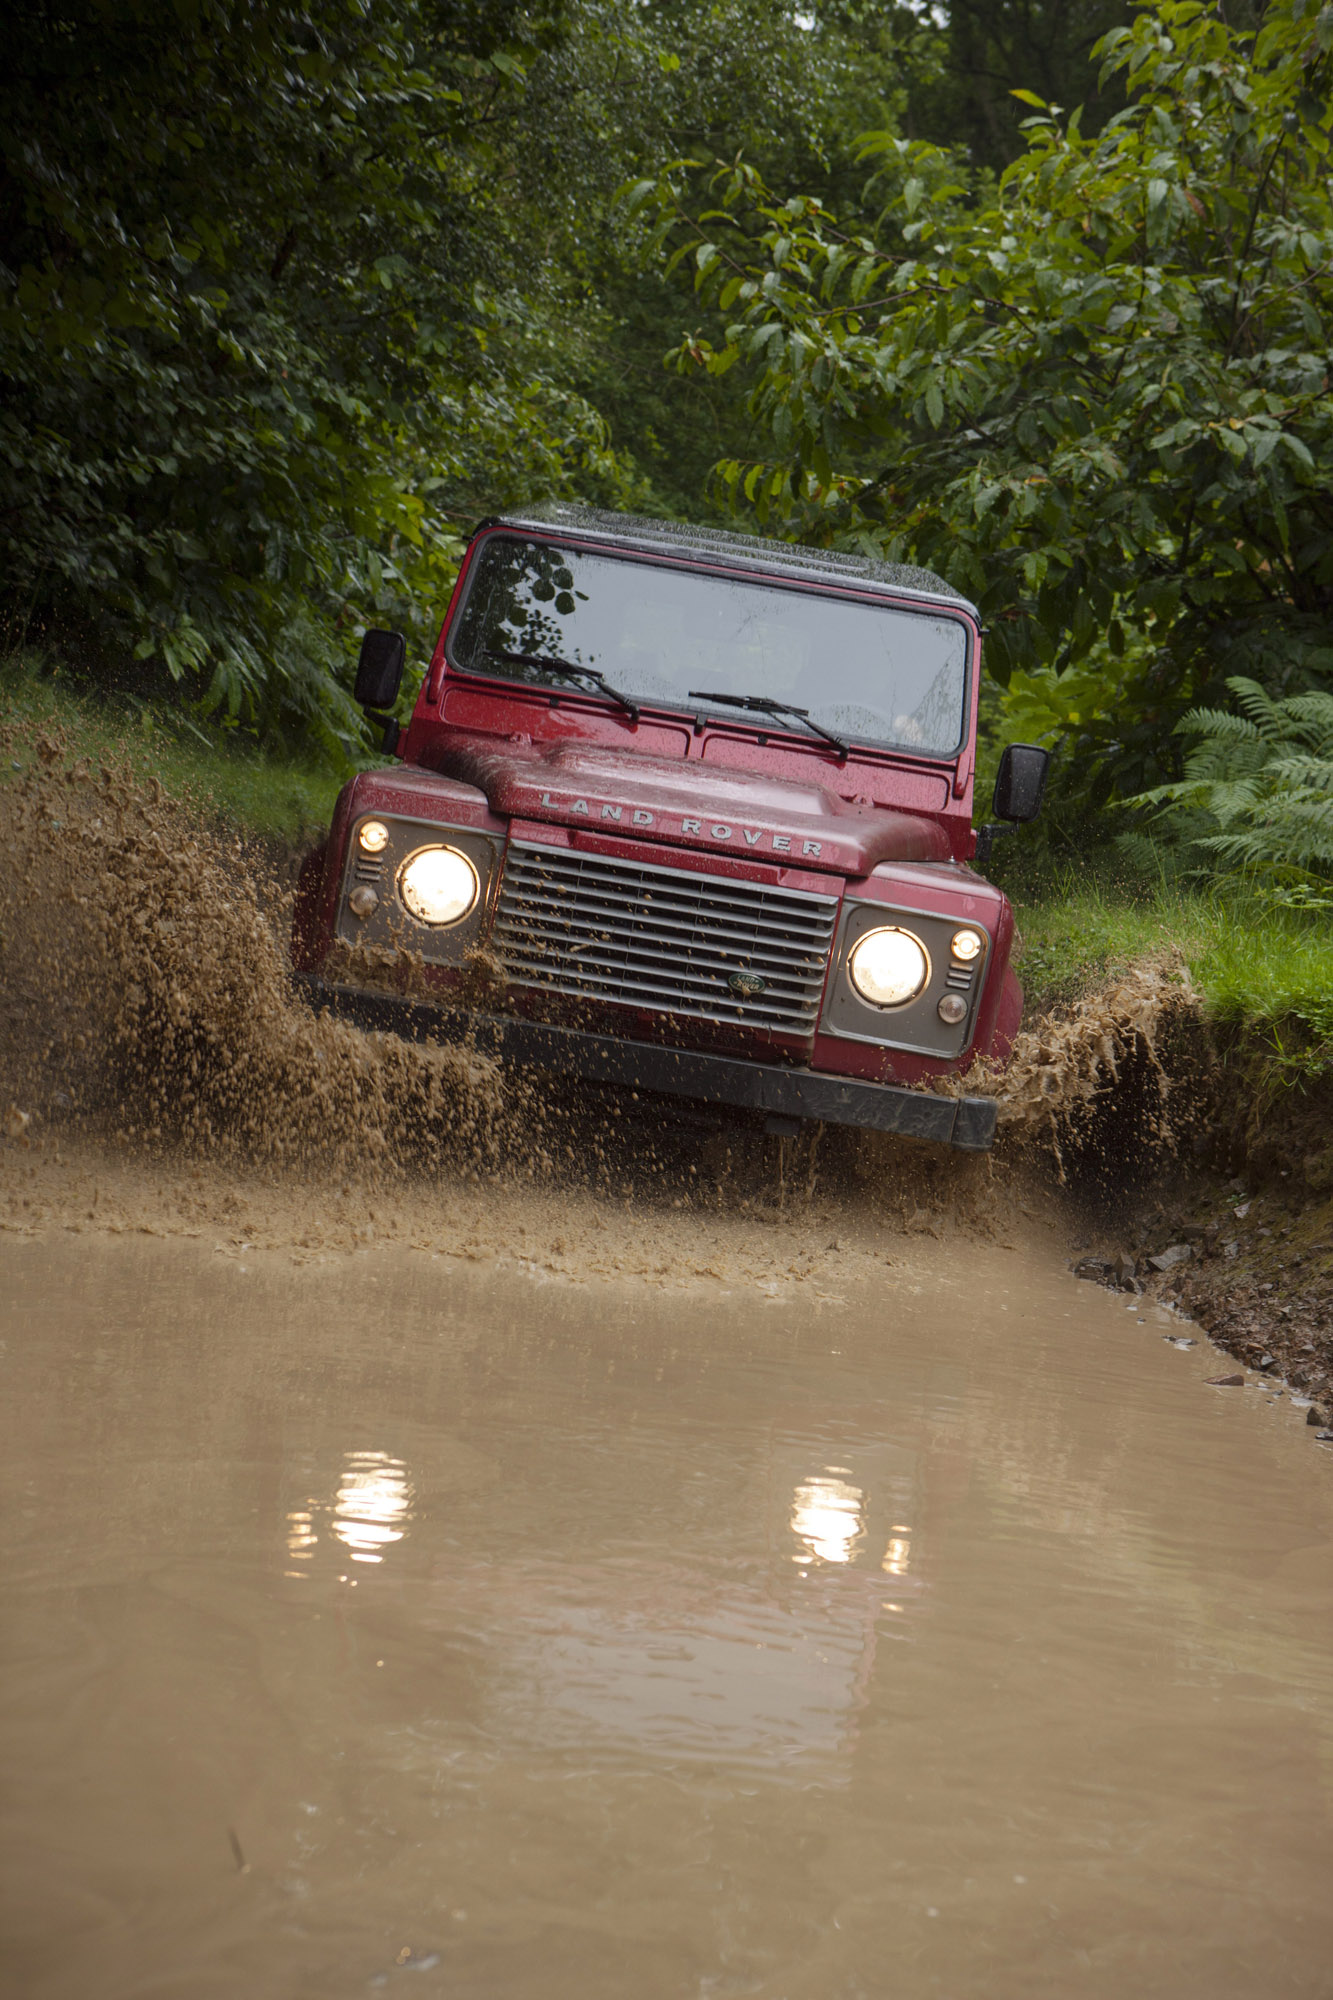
column 566, row 670
column 766, row 705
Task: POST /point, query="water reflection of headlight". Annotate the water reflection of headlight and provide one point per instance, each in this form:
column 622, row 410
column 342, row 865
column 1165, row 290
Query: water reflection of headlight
column 373, row 1504
column 301, row 1536
column 897, row 1558
column 826, row 1517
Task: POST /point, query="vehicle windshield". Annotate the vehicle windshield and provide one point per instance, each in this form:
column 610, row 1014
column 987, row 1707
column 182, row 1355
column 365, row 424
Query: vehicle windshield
column 876, row 673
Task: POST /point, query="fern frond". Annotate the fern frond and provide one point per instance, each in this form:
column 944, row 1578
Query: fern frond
column 1254, row 702
column 1316, row 773
column 1314, row 709
column 1264, row 776
column 1212, row 760
column 1219, row 722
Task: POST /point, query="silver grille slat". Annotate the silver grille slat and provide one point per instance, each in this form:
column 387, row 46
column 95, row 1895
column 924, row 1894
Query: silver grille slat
column 668, row 918
column 657, row 973
column 553, row 896
column 639, row 935
column 553, row 931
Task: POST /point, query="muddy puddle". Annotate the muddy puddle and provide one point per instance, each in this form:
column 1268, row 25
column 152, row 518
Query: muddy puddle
column 397, row 1625
column 458, row 1540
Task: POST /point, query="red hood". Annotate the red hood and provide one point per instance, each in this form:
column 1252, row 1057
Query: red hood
column 692, row 805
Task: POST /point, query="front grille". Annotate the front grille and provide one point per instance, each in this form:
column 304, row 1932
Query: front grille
column 662, row 938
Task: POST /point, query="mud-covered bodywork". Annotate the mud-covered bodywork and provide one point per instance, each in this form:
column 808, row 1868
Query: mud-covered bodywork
column 689, row 812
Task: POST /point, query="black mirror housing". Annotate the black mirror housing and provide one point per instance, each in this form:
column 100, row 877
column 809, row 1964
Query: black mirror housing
column 379, row 671
column 1020, row 783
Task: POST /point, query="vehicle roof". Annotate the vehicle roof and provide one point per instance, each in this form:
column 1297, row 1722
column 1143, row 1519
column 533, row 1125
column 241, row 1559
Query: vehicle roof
column 720, row 545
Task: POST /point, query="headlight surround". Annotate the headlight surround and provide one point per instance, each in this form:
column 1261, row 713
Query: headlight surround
column 889, row 966
column 438, row 886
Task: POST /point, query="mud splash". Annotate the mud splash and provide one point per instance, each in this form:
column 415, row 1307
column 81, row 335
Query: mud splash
column 1144, row 1026
column 146, row 1007
column 146, row 993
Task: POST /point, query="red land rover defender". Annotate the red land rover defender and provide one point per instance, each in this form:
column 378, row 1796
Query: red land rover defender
column 700, row 807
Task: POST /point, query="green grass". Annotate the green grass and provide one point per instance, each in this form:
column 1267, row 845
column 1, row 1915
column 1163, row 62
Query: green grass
column 275, row 798
column 1263, row 963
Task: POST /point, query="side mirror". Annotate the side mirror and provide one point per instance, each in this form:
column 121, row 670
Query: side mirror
column 1020, row 783
column 379, row 671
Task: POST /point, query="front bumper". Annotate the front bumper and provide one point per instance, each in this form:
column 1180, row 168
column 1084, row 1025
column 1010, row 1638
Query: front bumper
column 965, row 1123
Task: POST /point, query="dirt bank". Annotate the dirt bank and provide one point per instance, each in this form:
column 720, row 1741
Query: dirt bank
column 1239, row 1234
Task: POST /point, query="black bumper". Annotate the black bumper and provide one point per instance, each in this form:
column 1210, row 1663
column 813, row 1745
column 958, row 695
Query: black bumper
column 965, row 1123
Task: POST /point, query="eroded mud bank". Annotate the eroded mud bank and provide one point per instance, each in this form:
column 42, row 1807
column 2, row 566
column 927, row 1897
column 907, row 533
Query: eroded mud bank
column 1240, row 1238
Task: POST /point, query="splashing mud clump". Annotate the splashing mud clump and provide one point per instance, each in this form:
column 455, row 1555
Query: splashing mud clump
column 146, row 989
column 1138, row 1036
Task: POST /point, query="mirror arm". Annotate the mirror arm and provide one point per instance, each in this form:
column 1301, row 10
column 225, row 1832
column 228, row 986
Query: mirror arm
column 390, row 734
column 986, row 838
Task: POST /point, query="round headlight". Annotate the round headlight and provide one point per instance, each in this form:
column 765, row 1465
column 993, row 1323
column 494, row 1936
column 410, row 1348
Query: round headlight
column 438, row 885
column 966, row 945
column 373, row 836
column 889, row 967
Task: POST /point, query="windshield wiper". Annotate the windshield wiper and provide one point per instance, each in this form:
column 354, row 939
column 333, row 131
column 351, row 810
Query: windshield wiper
column 567, row 671
column 766, row 705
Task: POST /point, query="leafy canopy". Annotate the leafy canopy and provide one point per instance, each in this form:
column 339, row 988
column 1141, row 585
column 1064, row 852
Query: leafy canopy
column 289, row 292
column 246, row 324
column 1095, row 394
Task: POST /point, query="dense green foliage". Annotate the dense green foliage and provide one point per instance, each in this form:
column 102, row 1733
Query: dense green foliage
column 1095, row 395
column 1262, row 780
column 258, row 305
column 291, row 293
column 957, row 70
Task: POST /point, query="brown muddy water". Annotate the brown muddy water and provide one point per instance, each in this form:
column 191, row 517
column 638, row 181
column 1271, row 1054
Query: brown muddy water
column 459, row 1542
column 390, row 1623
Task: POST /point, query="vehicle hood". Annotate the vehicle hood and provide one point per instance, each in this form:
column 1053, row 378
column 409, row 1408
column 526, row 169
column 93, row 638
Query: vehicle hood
column 775, row 820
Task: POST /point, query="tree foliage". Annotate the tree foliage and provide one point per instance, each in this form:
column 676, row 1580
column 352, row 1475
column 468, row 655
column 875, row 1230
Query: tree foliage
column 290, row 293
column 1095, row 396
column 957, row 68
column 245, row 330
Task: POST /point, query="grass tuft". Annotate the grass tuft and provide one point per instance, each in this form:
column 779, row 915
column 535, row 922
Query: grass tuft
column 1263, row 961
